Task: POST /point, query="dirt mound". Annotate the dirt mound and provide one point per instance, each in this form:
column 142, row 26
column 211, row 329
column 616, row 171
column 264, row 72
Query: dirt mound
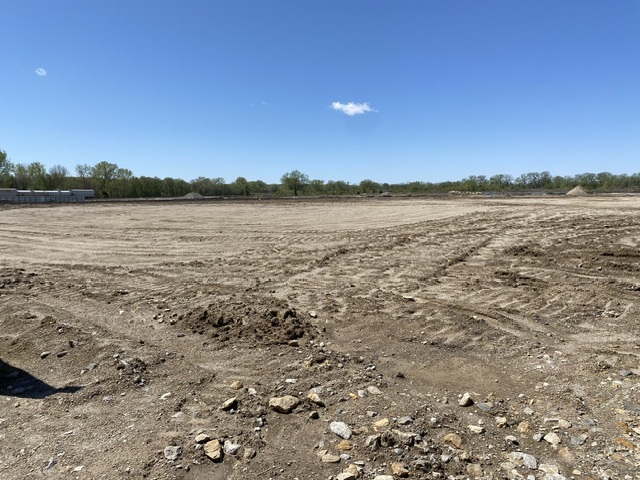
column 266, row 321
column 192, row 195
column 578, row 191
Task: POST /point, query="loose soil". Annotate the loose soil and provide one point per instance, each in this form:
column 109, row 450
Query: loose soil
column 125, row 327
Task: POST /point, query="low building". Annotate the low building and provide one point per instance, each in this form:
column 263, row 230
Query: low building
column 11, row 195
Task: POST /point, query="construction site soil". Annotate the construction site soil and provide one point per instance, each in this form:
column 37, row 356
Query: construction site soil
column 465, row 337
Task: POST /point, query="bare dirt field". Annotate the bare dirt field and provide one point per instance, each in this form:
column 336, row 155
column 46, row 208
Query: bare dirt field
column 321, row 339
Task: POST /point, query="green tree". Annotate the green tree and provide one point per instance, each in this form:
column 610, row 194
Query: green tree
column 56, row 177
column 6, row 169
column 37, row 176
column 103, row 173
column 294, row 181
column 83, row 171
column 242, row 186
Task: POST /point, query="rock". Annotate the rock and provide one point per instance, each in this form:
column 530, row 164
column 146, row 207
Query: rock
column 501, row 422
column 552, row 438
column 404, row 438
column 373, row 441
column 328, row 458
column 465, row 400
column 231, row 448
column 511, row 439
column 399, row 470
column 346, row 475
column 230, row 404
column 341, row 429
column 564, row 424
column 453, row 439
column 249, row 453
column 405, row 420
column 45, row 354
column 382, row 423
column 527, row 460
column 172, row 452
column 315, row 398
column 383, row 477
column 344, row 445
column 354, row 469
column 284, row 404
column 476, row 429
column 566, row 454
column 314, row 415
column 474, row 470
column 523, row 427
column 373, row 390
column 202, row 438
column 237, row 385
column 214, row 451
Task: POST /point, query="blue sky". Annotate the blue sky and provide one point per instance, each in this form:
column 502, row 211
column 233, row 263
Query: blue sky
column 437, row 89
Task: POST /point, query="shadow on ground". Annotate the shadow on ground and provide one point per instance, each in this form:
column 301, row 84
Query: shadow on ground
column 15, row 382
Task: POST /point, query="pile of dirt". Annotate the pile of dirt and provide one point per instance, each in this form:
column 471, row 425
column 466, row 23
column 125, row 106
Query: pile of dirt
column 578, row 191
column 266, row 321
column 192, row 195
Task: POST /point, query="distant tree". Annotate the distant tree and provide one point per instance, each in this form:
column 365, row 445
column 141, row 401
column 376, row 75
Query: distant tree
column 83, row 171
column 242, row 186
column 103, row 173
column 6, row 169
column 56, row 177
column 21, row 178
column 294, row 181
column 316, row 187
column 37, row 176
column 369, row 186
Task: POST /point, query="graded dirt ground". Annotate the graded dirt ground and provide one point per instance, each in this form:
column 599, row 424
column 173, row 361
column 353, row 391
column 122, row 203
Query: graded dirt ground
column 126, row 328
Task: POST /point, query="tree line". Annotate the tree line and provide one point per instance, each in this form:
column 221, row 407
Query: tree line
column 111, row 181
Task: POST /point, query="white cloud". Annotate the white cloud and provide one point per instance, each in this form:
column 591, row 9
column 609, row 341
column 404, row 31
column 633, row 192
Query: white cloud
column 352, row 108
column 41, row 72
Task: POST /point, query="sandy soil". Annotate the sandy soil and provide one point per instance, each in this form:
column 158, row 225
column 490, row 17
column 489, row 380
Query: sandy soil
column 126, row 327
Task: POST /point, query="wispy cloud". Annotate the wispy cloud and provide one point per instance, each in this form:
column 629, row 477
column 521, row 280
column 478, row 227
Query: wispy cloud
column 41, row 72
column 352, row 108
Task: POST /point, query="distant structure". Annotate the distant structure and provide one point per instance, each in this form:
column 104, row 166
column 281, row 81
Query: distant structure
column 11, row 195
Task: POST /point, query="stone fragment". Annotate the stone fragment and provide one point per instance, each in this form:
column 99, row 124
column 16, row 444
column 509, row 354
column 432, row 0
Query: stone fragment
column 341, row 429
column 383, row 477
column 315, row 398
column 373, row 390
column 465, row 400
column 511, row 439
column 314, row 415
column 501, row 422
column 249, row 453
column 404, row 438
column 328, row 458
column 405, row 420
column 202, row 438
column 230, row 404
column 474, row 470
column 453, row 439
column 523, row 427
column 373, row 441
column 399, row 470
column 380, row 424
column 344, row 445
column 213, row 450
column 476, row 429
column 552, row 438
column 45, row 354
column 172, row 452
column 236, row 385
column 527, row 460
column 284, row 404
column 346, row 475
column 231, row 448
column 566, row 454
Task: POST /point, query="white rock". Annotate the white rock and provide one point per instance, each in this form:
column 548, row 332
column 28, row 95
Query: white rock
column 341, row 429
